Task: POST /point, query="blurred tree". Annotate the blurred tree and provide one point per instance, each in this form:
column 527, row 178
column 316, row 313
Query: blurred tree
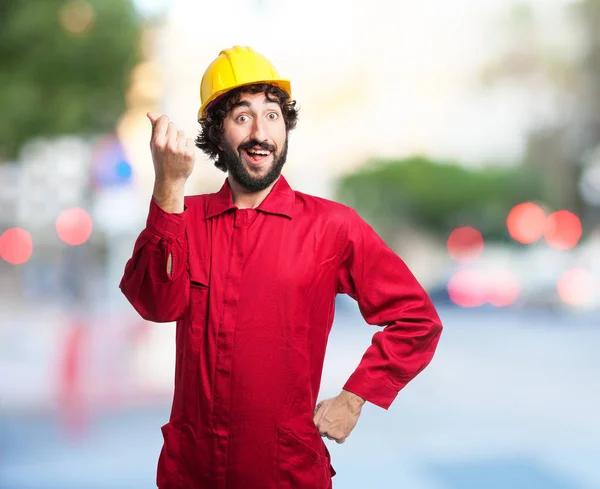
column 63, row 67
column 437, row 196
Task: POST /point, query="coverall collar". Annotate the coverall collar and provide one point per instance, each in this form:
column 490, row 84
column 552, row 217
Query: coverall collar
column 280, row 200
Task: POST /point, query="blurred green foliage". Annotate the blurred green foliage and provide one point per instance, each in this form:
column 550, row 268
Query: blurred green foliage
column 438, row 196
column 54, row 81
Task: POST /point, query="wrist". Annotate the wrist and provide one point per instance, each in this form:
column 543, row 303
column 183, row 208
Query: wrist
column 353, row 399
column 169, row 196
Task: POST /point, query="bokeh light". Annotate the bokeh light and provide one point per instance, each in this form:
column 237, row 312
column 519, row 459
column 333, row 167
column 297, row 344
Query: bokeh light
column 16, row 246
column 465, row 288
column 576, row 287
column 74, row 226
column 503, row 288
column 465, row 244
column 563, row 230
column 526, row 222
column 77, row 16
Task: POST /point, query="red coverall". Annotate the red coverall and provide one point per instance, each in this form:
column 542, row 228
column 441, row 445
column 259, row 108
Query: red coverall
column 253, row 293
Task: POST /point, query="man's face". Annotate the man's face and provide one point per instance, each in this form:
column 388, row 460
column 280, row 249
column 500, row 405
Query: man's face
column 254, row 143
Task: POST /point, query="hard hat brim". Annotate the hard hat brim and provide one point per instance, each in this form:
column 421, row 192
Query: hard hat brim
column 285, row 85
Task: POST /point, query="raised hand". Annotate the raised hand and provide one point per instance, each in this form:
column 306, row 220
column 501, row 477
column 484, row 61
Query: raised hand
column 173, row 156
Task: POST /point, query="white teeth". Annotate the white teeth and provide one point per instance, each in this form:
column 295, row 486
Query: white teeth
column 259, row 152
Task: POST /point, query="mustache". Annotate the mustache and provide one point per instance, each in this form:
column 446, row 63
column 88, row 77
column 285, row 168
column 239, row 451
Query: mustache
column 253, row 143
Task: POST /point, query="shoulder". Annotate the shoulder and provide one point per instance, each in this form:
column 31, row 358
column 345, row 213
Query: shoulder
column 335, row 216
column 320, row 208
column 344, row 220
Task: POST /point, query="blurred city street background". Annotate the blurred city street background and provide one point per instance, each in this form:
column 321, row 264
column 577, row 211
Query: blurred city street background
column 467, row 133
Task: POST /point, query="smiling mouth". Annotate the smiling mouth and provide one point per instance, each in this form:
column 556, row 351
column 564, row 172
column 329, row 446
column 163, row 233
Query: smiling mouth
column 257, row 156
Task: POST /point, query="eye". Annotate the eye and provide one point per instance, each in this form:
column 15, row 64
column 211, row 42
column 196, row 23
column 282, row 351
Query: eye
column 242, row 118
column 272, row 116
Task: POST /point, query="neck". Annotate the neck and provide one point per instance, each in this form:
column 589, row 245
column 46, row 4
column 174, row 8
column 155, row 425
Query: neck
column 244, row 199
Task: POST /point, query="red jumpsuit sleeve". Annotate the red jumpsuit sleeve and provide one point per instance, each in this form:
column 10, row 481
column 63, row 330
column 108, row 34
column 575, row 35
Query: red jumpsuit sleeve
column 388, row 295
column 156, row 295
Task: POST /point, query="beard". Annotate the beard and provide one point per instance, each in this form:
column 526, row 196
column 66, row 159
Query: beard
column 235, row 165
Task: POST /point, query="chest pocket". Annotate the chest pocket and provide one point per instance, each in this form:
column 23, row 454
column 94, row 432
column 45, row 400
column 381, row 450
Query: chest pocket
column 199, row 292
column 195, row 329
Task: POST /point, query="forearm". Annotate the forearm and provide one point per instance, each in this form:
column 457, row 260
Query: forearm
column 388, row 295
column 170, row 198
column 156, row 280
column 396, row 356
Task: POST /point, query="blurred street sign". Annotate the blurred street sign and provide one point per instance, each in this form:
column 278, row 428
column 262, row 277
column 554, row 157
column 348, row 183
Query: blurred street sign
column 118, row 208
column 110, row 167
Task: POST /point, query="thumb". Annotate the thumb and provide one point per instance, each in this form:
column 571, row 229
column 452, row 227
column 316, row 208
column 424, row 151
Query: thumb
column 318, row 416
column 317, row 407
column 153, row 118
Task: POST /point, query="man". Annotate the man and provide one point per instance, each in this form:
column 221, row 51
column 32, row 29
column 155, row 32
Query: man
column 250, row 274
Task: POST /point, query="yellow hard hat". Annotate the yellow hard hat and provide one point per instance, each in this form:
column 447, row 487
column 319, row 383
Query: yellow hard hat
column 233, row 68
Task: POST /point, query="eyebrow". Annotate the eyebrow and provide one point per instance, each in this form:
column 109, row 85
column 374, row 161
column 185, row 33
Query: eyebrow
column 241, row 103
column 245, row 103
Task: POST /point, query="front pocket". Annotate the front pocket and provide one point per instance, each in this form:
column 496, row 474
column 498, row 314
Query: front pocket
column 332, row 471
column 168, row 476
column 299, row 465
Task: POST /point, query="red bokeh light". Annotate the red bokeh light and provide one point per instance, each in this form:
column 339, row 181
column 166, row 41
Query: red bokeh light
column 16, row 246
column 526, row 222
column 465, row 288
column 563, row 230
column 465, row 244
column 576, row 287
column 74, row 226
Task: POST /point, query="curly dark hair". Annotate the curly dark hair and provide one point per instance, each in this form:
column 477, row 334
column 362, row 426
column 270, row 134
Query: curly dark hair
column 211, row 131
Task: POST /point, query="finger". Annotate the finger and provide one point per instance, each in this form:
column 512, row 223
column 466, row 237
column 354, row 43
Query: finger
column 190, row 146
column 153, row 118
column 181, row 141
column 172, row 136
column 160, row 127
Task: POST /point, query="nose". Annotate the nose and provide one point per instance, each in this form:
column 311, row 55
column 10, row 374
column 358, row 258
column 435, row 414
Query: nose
column 259, row 130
